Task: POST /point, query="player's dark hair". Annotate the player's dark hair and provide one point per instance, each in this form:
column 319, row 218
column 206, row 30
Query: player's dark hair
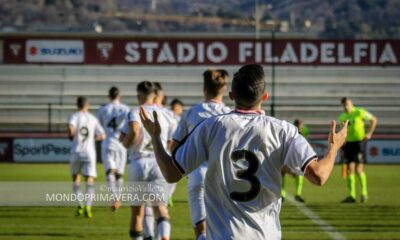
column 145, row 88
column 81, row 102
column 113, row 93
column 214, row 80
column 248, row 85
column 176, row 101
column 344, row 100
column 157, row 87
column 298, row 122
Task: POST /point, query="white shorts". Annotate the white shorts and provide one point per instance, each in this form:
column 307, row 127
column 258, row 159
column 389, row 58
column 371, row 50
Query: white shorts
column 144, row 170
column 84, row 164
column 196, row 194
column 114, row 158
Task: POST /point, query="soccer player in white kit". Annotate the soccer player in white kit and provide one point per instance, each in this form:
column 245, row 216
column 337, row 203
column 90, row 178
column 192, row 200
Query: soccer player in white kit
column 83, row 129
column 143, row 166
column 214, row 86
column 245, row 151
column 112, row 117
column 177, row 108
column 172, row 123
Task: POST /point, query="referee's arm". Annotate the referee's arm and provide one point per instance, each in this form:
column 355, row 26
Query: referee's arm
column 372, row 125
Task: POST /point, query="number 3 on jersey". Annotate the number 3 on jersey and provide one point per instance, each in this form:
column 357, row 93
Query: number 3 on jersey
column 247, row 175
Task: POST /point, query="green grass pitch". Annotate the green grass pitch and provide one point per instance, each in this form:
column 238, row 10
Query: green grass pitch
column 377, row 219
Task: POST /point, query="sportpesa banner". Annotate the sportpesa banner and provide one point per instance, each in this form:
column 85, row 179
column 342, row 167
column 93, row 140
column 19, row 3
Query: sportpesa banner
column 176, row 51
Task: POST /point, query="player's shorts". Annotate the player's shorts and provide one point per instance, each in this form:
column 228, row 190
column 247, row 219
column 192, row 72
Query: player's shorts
column 144, row 170
column 196, row 194
column 84, row 164
column 354, row 152
column 114, row 158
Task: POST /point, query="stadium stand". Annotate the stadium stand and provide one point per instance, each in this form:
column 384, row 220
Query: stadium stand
column 310, row 93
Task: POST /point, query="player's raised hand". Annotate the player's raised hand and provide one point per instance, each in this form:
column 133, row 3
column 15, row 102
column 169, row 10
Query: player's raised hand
column 337, row 139
column 153, row 128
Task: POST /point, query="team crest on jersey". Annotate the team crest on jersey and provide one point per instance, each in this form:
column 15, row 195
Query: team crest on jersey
column 105, row 50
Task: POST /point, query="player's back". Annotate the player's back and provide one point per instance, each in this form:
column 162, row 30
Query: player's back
column 202, row 111
column 171, row 122
column 245, row 155
column 112, row 117
column 142, row 146
column 196, row 114
column 87, row 127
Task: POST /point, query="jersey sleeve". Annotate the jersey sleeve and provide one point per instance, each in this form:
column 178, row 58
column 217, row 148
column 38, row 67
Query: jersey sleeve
column 73, row 120
column 125, row 127
column 128, row 118
column 173, row 124
column 298, row 153
column 133, row 116
column 192, row 151
column 367, row 116
column 341, row 119
column 182, row 130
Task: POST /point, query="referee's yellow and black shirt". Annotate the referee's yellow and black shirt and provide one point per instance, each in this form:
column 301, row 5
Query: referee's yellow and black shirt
column 356, row 127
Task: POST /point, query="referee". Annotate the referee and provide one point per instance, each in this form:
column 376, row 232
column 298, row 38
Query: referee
column 353, row 150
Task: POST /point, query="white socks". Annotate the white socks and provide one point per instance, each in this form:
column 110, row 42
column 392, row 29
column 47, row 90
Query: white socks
column 111, row 183
column 164, row 228
column 89, row 190
column 148, row 222
column 120, row 184
column 201, row 237
column 77, row 191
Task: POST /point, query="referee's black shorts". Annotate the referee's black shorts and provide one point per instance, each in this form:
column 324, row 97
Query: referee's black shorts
column 353, row 152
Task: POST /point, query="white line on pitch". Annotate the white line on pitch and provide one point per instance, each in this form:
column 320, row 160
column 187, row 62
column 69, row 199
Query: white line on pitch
column 322, row 224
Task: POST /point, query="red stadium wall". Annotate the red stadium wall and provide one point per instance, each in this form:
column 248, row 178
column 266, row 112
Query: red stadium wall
column 172, row 50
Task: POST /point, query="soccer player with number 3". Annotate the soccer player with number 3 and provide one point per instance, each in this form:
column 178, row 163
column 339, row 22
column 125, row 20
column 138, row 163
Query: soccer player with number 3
column 83, row 129
column 245, row 151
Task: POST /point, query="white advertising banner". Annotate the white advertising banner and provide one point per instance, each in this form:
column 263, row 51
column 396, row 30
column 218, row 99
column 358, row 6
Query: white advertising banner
column 58, row 150
column 55, row 51
column 41, row 150
column 383, row 151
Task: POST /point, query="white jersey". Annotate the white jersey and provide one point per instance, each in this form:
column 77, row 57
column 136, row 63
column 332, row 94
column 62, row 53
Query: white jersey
column 195, row 115
column 87, row 127
column 142, row 146
column 177, row 117
column 245, row 153
column 172, row 122
column 112, row 117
